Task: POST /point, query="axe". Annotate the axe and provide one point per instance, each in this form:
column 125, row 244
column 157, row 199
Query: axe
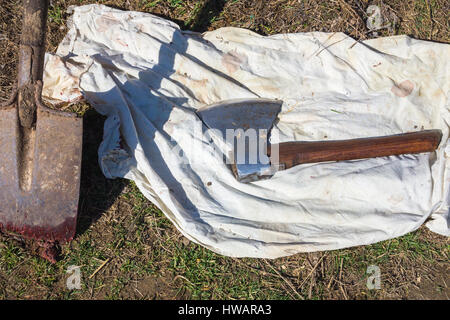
column 252, row 160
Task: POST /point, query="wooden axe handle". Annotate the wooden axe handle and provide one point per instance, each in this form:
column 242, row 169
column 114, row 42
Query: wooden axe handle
column 294, row 153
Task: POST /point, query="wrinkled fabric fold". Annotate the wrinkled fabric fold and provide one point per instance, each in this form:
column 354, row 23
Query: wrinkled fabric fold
column 148, row 77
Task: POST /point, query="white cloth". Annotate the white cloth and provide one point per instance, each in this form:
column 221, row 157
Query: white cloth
column 148, row 77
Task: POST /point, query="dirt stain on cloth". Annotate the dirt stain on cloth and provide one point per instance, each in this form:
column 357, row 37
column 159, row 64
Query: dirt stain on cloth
column 232, row 61
column 105, row 22
column 403, row 89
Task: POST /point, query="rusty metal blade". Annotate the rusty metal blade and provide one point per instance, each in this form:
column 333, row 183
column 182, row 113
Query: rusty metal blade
column 40, row 178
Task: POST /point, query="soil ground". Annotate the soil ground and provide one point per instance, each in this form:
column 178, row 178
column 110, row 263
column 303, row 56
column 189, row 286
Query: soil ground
column 127, row 249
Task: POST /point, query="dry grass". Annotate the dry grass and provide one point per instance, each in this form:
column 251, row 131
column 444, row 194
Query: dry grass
column 125, row 246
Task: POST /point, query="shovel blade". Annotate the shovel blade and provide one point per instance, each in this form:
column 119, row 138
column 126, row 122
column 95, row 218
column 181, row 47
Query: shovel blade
column 39, row 187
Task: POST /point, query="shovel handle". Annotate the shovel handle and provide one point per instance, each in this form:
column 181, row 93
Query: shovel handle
column 294, row 153
column 32, row 41
column 31, row 57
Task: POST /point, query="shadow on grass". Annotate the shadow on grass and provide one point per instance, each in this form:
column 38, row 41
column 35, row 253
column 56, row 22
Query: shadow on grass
column 97, row 193
column 209, row 11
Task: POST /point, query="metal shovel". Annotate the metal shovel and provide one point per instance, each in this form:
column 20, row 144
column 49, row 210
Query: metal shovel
column 40, row 158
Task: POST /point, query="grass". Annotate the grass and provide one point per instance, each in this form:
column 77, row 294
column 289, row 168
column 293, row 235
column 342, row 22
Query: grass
column 55, row 14
column 127, row 249
column 141, row 243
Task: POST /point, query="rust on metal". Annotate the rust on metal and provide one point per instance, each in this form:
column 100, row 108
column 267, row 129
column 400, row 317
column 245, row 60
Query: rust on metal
column 40, row 158
column 41, row 203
